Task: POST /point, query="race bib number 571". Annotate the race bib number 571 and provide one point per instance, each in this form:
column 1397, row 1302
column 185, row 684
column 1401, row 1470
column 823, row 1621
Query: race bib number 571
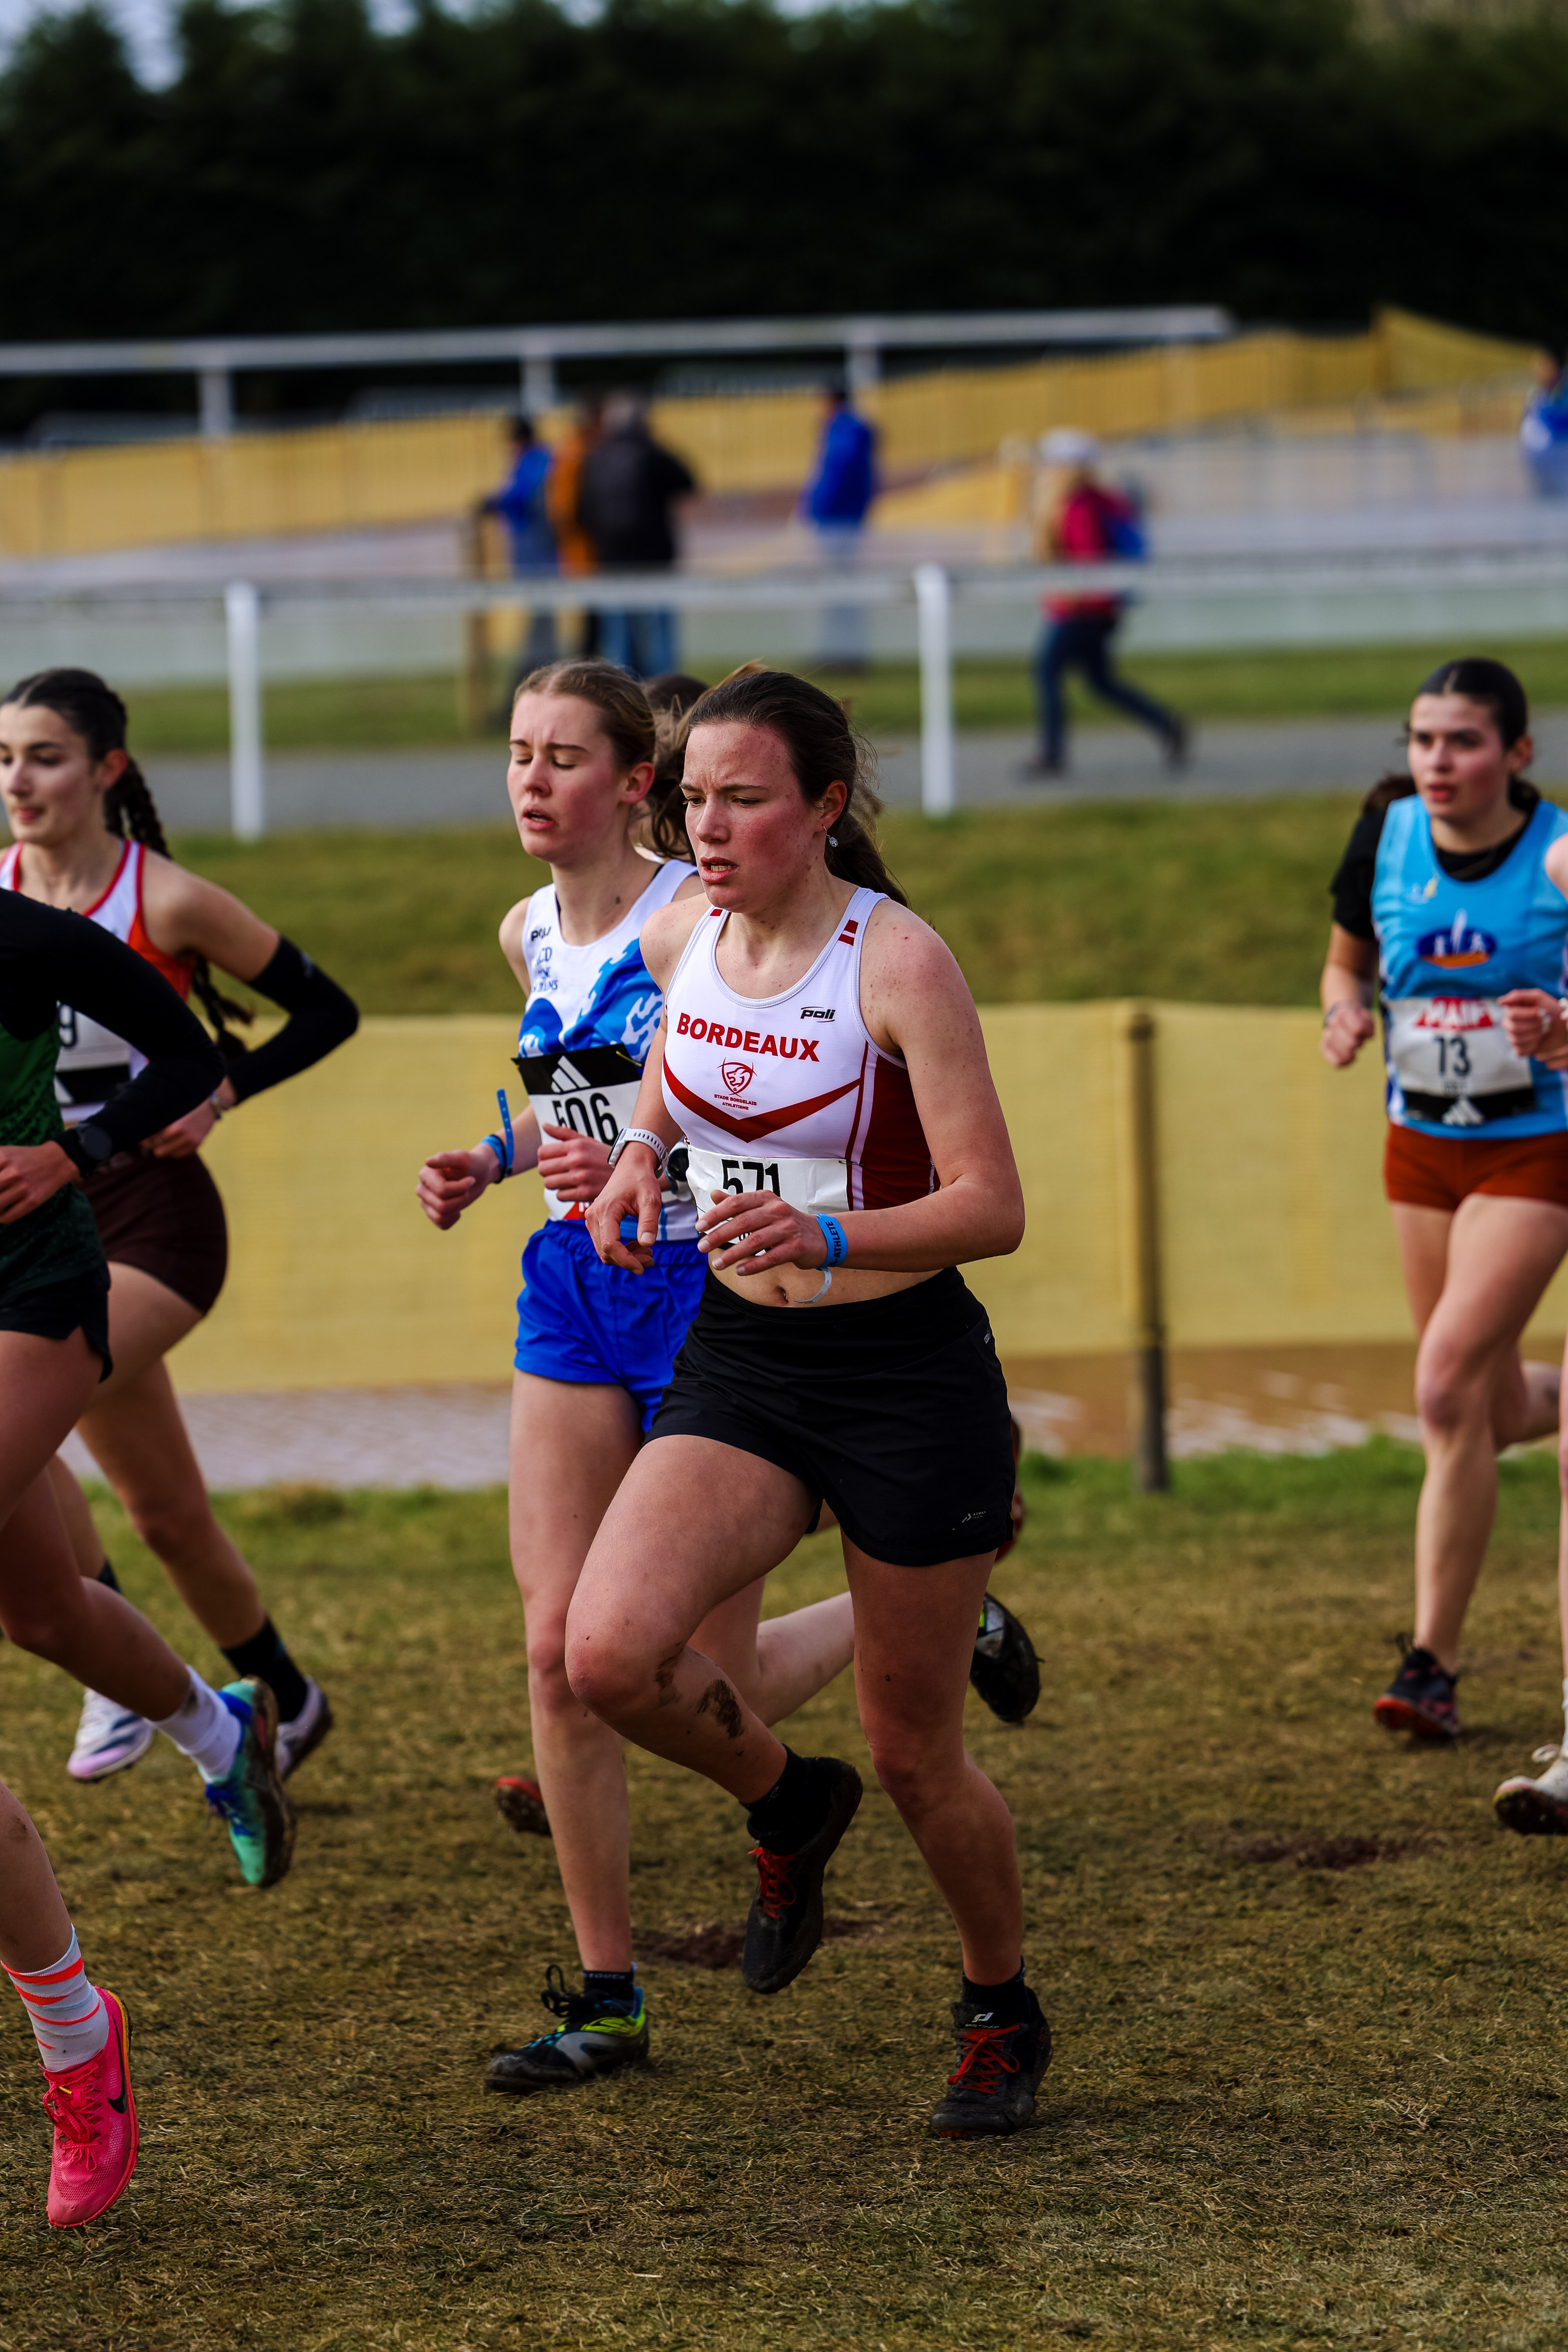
column 806, row 1184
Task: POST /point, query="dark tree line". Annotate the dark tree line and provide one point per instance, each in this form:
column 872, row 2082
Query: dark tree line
column 707, row 156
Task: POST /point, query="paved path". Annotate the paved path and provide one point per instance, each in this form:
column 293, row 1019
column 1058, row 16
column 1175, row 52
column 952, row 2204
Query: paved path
column 456, row 1436
column 1231, row 759
column 1244, row 760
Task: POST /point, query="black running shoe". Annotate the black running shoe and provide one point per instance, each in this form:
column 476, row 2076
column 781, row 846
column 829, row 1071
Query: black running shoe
column 999, row 2070
column 1420, row 1698
column 784, row 1924
column 520, row 1804
column 594, row 2037
column 1004, row 1668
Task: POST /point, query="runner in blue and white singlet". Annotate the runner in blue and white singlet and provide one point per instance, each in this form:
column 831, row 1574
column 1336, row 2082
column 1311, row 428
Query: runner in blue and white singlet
column 592, row 1013
column 591, row 1016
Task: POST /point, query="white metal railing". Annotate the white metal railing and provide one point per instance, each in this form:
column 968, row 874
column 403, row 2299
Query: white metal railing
column 214, row 360
column 935, row 593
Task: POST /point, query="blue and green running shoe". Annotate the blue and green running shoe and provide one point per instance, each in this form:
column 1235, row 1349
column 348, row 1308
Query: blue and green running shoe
column 250, row 1802
column 594, row 2037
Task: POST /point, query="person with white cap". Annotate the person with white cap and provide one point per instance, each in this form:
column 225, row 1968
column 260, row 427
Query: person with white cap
column 1079, row 521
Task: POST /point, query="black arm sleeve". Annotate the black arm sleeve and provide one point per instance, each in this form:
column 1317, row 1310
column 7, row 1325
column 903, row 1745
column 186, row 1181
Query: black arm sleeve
column 1352, row 885
column 85, row 967
column 321, row 1016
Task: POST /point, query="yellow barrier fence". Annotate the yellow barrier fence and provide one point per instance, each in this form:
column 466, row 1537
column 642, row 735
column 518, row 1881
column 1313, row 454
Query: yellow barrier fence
column 356, row 476
column 1273, row 1226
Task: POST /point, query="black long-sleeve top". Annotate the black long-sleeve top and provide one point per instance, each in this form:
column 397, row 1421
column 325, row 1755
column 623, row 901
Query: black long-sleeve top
column 48, row 958
column 321, row 1017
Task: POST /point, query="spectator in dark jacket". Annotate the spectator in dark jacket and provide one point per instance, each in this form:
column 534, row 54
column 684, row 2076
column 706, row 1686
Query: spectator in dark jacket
column 837, row 500
column 629, row 485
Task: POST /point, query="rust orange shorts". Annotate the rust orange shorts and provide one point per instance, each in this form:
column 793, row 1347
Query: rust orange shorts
column 1438, row 1171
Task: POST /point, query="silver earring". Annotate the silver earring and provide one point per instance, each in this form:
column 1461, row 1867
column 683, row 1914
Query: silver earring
column 833, row 841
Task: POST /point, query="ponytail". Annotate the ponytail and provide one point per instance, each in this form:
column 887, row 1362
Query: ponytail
column 94, row 712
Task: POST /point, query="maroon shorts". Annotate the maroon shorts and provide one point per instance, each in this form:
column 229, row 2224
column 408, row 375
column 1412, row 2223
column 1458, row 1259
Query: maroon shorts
column 165, row 1218
column 1438, row 1171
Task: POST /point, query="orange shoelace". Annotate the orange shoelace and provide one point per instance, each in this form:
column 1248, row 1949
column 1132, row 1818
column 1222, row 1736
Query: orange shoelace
column 775, row 1891
column 985, row 2059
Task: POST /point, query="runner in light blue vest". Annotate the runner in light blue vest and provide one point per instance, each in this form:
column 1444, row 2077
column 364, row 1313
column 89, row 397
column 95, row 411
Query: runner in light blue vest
column 1449, row 950
column 1451, row 910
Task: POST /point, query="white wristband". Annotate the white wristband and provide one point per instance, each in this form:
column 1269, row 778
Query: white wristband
column 654, row 1143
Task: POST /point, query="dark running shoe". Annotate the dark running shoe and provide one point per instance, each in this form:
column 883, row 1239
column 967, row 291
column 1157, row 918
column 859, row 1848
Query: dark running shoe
column 1420, row 1698
column 999, row 2069
column 520, row 1804
column 1004, row 1668
column 594, row 2037
column 784, row 1926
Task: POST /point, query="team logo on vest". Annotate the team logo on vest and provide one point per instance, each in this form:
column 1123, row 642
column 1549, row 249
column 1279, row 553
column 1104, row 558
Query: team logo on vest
column 737, row 1076
column 1460, row 945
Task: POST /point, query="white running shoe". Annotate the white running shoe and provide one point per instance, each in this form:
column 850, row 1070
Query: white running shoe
column 1537, row 1808
column 109, row 1738
column 302, row 1737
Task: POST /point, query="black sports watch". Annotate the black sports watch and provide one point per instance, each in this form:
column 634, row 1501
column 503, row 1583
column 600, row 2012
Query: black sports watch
column 89, row 1146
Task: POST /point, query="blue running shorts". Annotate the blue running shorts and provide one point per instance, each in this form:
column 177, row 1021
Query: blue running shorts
column 579, row 1319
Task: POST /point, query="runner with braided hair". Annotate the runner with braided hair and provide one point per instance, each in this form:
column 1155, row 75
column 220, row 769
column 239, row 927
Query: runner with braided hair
column 87, row 836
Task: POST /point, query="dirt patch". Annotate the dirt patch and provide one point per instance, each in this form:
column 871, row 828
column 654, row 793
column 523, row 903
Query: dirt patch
column 717, row 1947
column 1323, row 1853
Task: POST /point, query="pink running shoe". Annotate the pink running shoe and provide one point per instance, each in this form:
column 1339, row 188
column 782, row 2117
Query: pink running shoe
column 94, row 2116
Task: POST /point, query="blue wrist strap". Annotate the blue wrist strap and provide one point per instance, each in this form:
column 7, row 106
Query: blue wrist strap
column 833, row 1234
column 497, row 1146
column 510, row 1156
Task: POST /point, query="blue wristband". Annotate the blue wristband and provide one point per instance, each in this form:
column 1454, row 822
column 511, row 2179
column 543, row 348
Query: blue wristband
column 497, row 1146
column 833, row 1234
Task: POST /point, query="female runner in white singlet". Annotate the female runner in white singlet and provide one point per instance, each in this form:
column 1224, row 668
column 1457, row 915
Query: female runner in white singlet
column 88, row 837
column 821, row 1057
column 594, row 1344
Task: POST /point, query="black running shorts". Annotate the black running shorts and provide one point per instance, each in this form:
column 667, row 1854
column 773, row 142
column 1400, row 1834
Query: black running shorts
column 80, row 1304
column 892, row 1411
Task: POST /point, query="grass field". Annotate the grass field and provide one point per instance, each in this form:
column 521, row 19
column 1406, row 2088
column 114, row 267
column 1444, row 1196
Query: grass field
column 1308, row 2000
column 370, row 714
column 1223, row 903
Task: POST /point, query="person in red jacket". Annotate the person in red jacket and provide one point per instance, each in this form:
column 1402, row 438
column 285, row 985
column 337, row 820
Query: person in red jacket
column 1081, row 521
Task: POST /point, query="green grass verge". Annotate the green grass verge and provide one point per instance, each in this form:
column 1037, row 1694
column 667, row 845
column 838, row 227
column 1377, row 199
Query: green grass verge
column 1292, row 2105
column 389, row 713
column 1221, row 903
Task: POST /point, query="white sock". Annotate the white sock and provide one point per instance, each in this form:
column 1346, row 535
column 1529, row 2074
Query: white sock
column 70, row 2022
column 204, row 1730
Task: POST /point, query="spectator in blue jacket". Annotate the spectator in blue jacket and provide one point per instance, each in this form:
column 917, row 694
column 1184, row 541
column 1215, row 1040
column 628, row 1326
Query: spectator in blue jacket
column 835, row 501
column 1544, row 431
column 520, row 502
